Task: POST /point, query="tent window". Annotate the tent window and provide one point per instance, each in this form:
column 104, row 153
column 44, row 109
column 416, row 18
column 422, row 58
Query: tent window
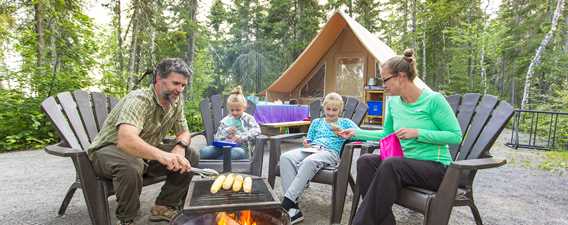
column 350, row 76
column 314, row 87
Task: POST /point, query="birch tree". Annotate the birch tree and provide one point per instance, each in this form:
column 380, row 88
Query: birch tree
column 536, row 60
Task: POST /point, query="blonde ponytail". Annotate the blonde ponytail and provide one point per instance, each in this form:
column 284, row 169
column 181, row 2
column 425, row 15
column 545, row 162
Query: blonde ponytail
column 237, row 97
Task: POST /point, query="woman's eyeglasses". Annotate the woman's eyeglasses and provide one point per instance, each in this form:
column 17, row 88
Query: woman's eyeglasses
column 385, row 80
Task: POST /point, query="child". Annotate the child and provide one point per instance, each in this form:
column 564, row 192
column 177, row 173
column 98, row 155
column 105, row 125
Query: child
column 322, row 148
column 238, row 126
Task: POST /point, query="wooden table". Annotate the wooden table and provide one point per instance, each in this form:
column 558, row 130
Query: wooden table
column 283, row 127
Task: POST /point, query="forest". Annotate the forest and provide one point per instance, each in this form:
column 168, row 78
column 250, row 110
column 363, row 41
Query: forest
column 514, row 49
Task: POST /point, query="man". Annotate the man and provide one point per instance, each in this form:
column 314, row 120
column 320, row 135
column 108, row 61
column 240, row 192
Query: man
column 127, row 147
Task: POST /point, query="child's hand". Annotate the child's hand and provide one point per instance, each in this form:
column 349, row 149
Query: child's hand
column 307, row 143
column 232, row 130
column 347, row 133
column 230, row 137
column 236, row 139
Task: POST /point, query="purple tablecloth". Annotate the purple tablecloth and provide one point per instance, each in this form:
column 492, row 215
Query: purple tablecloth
column 280, row 113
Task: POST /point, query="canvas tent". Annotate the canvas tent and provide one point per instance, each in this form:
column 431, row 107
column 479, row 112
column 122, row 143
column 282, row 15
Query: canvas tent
column 341, row 58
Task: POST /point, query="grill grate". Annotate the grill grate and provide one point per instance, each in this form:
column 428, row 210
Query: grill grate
column 200, row 198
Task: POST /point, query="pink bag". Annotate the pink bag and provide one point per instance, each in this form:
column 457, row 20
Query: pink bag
column 390, row 147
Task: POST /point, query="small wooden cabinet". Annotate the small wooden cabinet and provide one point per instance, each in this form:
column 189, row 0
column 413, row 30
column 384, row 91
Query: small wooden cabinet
column 375, row 99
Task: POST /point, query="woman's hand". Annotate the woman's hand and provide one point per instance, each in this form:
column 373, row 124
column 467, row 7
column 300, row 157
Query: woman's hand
column 405, row 133
column 347, row 133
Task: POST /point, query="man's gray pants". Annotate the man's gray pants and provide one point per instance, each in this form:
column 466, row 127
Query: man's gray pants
column 297, row 168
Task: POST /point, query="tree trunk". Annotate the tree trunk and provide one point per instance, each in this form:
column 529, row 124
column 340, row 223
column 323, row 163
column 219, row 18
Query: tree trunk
column 414, row 38
column 405, row 23
column 536, row 60
column 483, row 75
column 39, row 17
column 54, row 62
column 192, row 11
column 151, row 57
column 118, row 27
column 133, row 46
column 482, row 52
column 470, row 49
column 566, row 35
column 424, row 56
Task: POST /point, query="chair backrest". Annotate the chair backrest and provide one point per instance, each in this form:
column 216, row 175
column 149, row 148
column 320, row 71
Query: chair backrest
column 353, row 109
column 481, row 118
column 78, row 116
column 213, row 109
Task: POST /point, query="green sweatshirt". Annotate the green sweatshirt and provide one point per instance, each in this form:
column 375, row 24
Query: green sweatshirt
column 434, row 119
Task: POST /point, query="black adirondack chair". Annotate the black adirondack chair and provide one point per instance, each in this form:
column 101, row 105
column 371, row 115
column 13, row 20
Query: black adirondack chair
column 78, row 117
column 481, row 118
column 339, row 177
column 212, row 111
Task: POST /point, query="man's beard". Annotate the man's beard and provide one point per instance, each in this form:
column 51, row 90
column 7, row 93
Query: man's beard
column 168, row 96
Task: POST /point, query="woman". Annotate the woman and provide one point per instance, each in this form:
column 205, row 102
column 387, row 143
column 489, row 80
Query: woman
column 425, row 124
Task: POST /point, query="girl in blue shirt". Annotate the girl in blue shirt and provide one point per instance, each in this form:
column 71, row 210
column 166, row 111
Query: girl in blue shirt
column 322, row 148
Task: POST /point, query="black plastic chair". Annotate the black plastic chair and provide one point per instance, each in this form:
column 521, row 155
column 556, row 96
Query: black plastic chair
column 481, row 118
column 339, row 177
column 78, row 117
column 212, row 111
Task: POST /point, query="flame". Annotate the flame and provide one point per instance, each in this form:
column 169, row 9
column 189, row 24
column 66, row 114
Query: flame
column 245, row 218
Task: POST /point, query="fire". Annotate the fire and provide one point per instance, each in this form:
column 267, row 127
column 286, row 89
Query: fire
column 244, row 218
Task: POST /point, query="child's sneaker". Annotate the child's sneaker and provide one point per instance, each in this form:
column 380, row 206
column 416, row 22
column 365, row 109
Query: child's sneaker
column 296, row 215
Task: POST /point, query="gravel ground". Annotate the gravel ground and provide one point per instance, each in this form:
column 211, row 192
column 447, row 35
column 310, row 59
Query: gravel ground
column 34, row 183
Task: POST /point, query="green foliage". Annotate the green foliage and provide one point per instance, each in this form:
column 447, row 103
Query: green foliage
column 251, row 42
column 22, row 124
column 203, row 76
column 64, row 64
column 555, row 160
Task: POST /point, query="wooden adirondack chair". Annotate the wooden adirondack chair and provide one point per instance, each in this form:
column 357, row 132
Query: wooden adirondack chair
column 481, row 118
column 78, row 117
column 212, row 111
column 339, row 177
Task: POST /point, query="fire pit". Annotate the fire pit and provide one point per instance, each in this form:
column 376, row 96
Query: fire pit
column 244, row 217
column 260, row 207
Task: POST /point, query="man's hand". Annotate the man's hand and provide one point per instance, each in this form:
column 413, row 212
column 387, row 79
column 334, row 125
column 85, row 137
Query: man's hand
column 347, row 133
column 405, row 133
column 174, row 162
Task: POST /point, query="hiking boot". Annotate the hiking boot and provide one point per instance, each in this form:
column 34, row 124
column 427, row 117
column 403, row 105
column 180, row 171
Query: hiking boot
column 296, row 215
column 125, row 222
column 162, row 213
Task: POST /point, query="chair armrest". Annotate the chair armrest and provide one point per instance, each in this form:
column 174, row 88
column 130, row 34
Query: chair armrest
column 258, row 154
column 62, row 151
column 287, row 136
column 170, row 140
column 194, row 134
column 261, row 137
column 347, row 155
column 476, row 164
